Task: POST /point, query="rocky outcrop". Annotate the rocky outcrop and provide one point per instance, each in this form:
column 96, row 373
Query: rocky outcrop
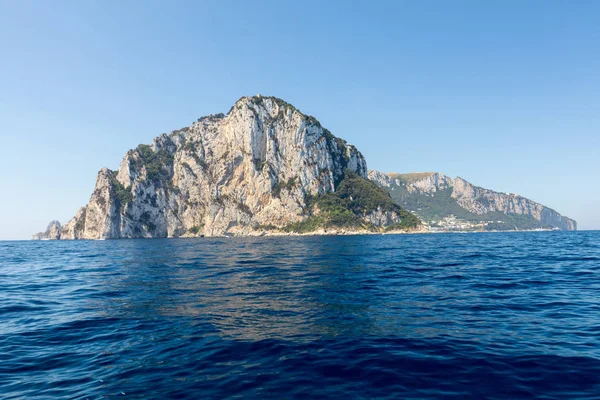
column 231, row 174
column 417, row 191
column 53, row 232
column 75, row 228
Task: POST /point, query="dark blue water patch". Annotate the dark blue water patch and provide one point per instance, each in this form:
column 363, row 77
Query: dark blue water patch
column 498, row 315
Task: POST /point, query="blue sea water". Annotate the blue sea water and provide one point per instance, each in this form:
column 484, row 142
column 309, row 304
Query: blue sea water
column 487, row 315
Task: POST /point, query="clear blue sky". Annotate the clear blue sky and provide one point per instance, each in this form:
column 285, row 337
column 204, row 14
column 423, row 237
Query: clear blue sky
column 505, row 93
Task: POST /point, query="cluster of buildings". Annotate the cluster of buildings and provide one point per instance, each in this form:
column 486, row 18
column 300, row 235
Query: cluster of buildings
column 451, row 223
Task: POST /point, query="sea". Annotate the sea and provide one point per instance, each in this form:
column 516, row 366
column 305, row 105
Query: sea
column 421, row 316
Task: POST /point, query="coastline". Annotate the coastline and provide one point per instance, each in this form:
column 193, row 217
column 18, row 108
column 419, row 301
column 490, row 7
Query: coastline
column 325, row 232
column 320, row 232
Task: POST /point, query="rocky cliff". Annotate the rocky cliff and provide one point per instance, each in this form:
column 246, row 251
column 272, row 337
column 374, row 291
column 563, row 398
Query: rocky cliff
column 455, row 203
column 52, row 232
column 264, row 166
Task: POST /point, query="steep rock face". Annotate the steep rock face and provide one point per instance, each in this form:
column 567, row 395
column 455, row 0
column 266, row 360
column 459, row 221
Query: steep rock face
column 225, row 174
column 74, row 229
column 52, row 232
column 407, row 188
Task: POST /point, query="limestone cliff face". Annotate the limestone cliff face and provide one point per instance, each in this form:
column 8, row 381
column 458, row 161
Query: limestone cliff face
column 474, row 199
column 74, row 229
column 52, row 232
column 225, row 174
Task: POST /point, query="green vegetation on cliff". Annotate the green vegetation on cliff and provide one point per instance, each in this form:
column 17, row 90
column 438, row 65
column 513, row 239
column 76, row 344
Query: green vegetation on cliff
column 354, row 199
column 123, row 194
column 156, row 163
column 440, row 204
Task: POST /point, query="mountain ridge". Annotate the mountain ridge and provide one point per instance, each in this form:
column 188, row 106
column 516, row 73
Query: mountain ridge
column 267, row 168
column 455, row 203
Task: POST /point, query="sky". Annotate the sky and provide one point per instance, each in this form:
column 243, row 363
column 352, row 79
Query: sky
column 505, row 94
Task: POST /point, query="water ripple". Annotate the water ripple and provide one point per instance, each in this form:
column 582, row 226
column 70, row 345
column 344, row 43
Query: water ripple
column 498, row 315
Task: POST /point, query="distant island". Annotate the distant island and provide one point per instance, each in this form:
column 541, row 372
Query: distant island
column 266, row 168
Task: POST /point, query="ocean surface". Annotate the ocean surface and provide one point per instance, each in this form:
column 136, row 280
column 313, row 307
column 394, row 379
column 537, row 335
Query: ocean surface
column 482, row 315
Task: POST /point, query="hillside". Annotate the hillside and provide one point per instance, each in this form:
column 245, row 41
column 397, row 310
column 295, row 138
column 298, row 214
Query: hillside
column 454, row 204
